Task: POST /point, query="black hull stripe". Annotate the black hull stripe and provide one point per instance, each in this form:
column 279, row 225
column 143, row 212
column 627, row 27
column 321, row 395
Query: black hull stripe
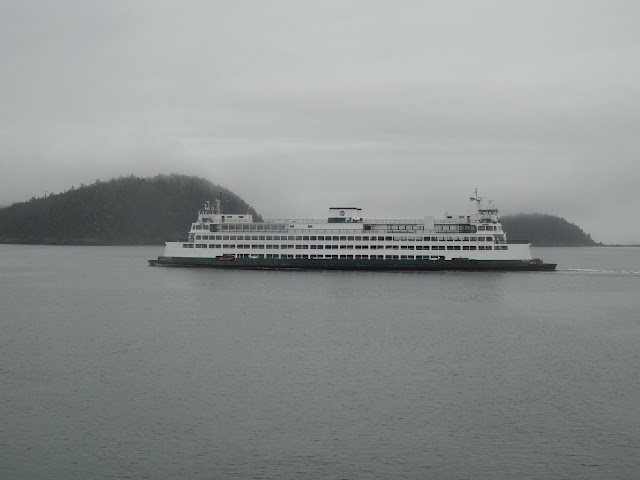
column 357, row 265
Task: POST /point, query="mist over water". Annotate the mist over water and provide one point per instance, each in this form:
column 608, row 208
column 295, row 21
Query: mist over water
column 112, row 369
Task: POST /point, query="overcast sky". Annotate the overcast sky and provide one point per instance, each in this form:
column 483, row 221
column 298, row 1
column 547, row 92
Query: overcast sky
column 399, row 107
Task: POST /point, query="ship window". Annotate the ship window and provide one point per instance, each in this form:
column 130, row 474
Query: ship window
column 365, row 247
column 474, row 239
column 504, row 247
column 320, row 238
column 456, row 247
column 343, row 238
column 450, row 247
column 298, row 238
column 276, row 237
column 312, row 238
column 481, row 228
column 350, row 238
column 320, row 247
column 305, row 238
column 465, row 247
column 488, row 247
column 481, row 247
column 225, row 237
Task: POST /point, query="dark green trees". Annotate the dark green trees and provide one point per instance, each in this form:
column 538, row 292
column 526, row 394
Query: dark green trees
column 545, row 230
column 126, row 210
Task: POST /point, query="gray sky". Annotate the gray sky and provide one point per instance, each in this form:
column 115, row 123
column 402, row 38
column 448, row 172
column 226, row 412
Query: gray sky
column 399, row 107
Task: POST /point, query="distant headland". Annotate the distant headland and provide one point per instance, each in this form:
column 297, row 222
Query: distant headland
column 148, row 211
column 122, row 211
column 544, row 230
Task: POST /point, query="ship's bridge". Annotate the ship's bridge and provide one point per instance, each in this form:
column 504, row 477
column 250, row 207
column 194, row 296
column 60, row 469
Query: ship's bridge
column 345, row 215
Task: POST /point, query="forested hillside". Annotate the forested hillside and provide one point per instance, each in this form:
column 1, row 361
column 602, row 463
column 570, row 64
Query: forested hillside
column 545, row 230
column 126, row 210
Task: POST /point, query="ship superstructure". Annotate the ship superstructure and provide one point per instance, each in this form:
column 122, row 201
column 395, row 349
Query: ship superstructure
column 348, row 240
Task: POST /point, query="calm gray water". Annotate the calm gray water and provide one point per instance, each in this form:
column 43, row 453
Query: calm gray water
column 112, row 369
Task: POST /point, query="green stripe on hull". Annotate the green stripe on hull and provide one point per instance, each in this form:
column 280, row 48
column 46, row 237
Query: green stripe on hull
column 356, row 264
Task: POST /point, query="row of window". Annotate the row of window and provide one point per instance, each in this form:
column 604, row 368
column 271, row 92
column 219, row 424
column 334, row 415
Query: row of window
column 405, row 227
column 246, row 227
column 345, row 238
column 344, row 247
column 344, row 257
column 280, row 227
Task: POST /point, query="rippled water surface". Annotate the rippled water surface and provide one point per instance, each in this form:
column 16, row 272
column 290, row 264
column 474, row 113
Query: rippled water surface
column 112, row 369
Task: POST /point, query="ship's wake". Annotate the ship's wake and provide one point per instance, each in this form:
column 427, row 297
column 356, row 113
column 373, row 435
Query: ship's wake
column 595, row 271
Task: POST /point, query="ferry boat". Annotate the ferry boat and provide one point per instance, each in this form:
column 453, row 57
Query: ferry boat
column 345, row 240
